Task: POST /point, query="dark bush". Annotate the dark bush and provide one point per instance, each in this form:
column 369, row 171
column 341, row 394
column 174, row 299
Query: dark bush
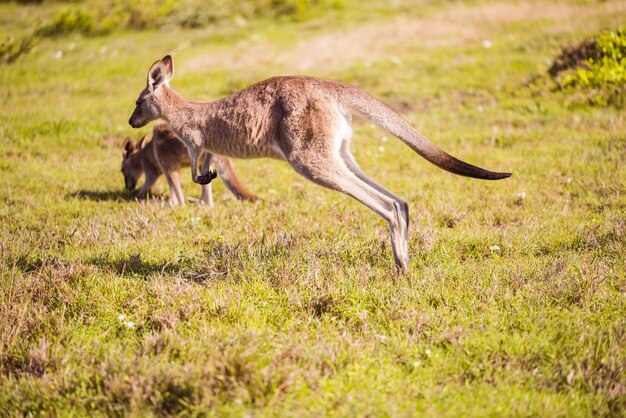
column 596, row 67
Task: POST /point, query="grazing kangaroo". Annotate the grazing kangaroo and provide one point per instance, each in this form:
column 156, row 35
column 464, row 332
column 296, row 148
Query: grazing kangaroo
column 165, row 154
column 304, row 121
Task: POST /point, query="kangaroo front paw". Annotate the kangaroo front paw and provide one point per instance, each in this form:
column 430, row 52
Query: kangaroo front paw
column 206, row 178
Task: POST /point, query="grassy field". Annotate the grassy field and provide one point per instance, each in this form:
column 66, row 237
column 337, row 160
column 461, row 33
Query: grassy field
column 515, row 302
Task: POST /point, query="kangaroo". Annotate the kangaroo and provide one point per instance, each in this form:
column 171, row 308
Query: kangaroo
column 165, row 154
column 304, row 121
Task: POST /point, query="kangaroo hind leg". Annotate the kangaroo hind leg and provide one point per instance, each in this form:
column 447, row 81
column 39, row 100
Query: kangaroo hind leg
column 402, row 207
column 333, row 173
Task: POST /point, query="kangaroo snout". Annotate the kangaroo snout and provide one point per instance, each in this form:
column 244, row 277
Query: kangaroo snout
column 138, row 121
column 130, row 183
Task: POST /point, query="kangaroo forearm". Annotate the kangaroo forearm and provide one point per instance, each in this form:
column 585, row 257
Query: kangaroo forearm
column 206, row 167
column 194, row 165
column 206, row 176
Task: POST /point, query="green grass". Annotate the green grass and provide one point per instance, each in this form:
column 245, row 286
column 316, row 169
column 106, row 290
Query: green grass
column 290, row 306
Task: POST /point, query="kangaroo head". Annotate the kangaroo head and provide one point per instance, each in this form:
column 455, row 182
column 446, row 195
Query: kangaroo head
column 151, row 99
column 131, row 164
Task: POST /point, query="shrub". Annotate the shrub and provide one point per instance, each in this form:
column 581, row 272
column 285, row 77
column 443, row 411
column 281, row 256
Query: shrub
column 93, row 18
column 597, row 67
column 69, row 20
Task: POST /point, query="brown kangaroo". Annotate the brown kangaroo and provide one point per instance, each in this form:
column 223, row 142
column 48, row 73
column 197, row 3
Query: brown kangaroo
column 304, row 121
column 165, row 154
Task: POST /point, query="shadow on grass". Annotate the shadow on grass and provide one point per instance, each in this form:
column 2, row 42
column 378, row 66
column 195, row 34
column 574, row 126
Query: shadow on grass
column 274, row 259
column 28, row 265
column 134, row 265
column 218, row 260
column 103, row 195
column 130, row 266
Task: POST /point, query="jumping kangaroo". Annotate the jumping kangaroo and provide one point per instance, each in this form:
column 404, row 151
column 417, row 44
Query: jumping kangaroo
column 304, row 121
column 165, row 154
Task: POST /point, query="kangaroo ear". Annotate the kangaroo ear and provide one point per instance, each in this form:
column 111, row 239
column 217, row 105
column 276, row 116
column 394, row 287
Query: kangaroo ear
column 140, row 143
column 169, row 67
column 127, row 146
column 157, row 75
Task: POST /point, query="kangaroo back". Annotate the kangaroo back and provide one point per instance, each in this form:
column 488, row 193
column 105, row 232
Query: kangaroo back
column 170, row 152
column 381, row 115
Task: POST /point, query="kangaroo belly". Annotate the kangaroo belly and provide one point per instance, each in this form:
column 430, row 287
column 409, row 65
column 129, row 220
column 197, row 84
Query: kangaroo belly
column 245, row 126
column 246, row 150
column 243, row 139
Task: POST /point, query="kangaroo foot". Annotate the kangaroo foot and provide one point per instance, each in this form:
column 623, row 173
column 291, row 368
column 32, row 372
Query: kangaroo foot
column 206, row 178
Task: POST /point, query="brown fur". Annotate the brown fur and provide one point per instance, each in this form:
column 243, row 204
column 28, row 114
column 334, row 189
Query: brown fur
column 166, row 154
column 304, row 121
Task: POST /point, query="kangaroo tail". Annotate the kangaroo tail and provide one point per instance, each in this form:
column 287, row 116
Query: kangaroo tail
column 381, row 115
column 226, row 171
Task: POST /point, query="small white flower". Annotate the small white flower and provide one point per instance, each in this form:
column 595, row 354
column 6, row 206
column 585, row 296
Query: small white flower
column 521, row 195
column 129, row 324
column 487, row 44
column 381, row 149
column 58, row 55
column 385, row 138
column 121, row 317
column 495, row 248
column 416, row 364
column 480, row 108
column 103, row 50
column 428, row 352
column 396, row 60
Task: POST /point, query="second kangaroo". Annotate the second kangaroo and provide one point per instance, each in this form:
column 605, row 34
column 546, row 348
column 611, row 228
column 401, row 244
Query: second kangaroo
column 165, row 154
column 304, row 121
